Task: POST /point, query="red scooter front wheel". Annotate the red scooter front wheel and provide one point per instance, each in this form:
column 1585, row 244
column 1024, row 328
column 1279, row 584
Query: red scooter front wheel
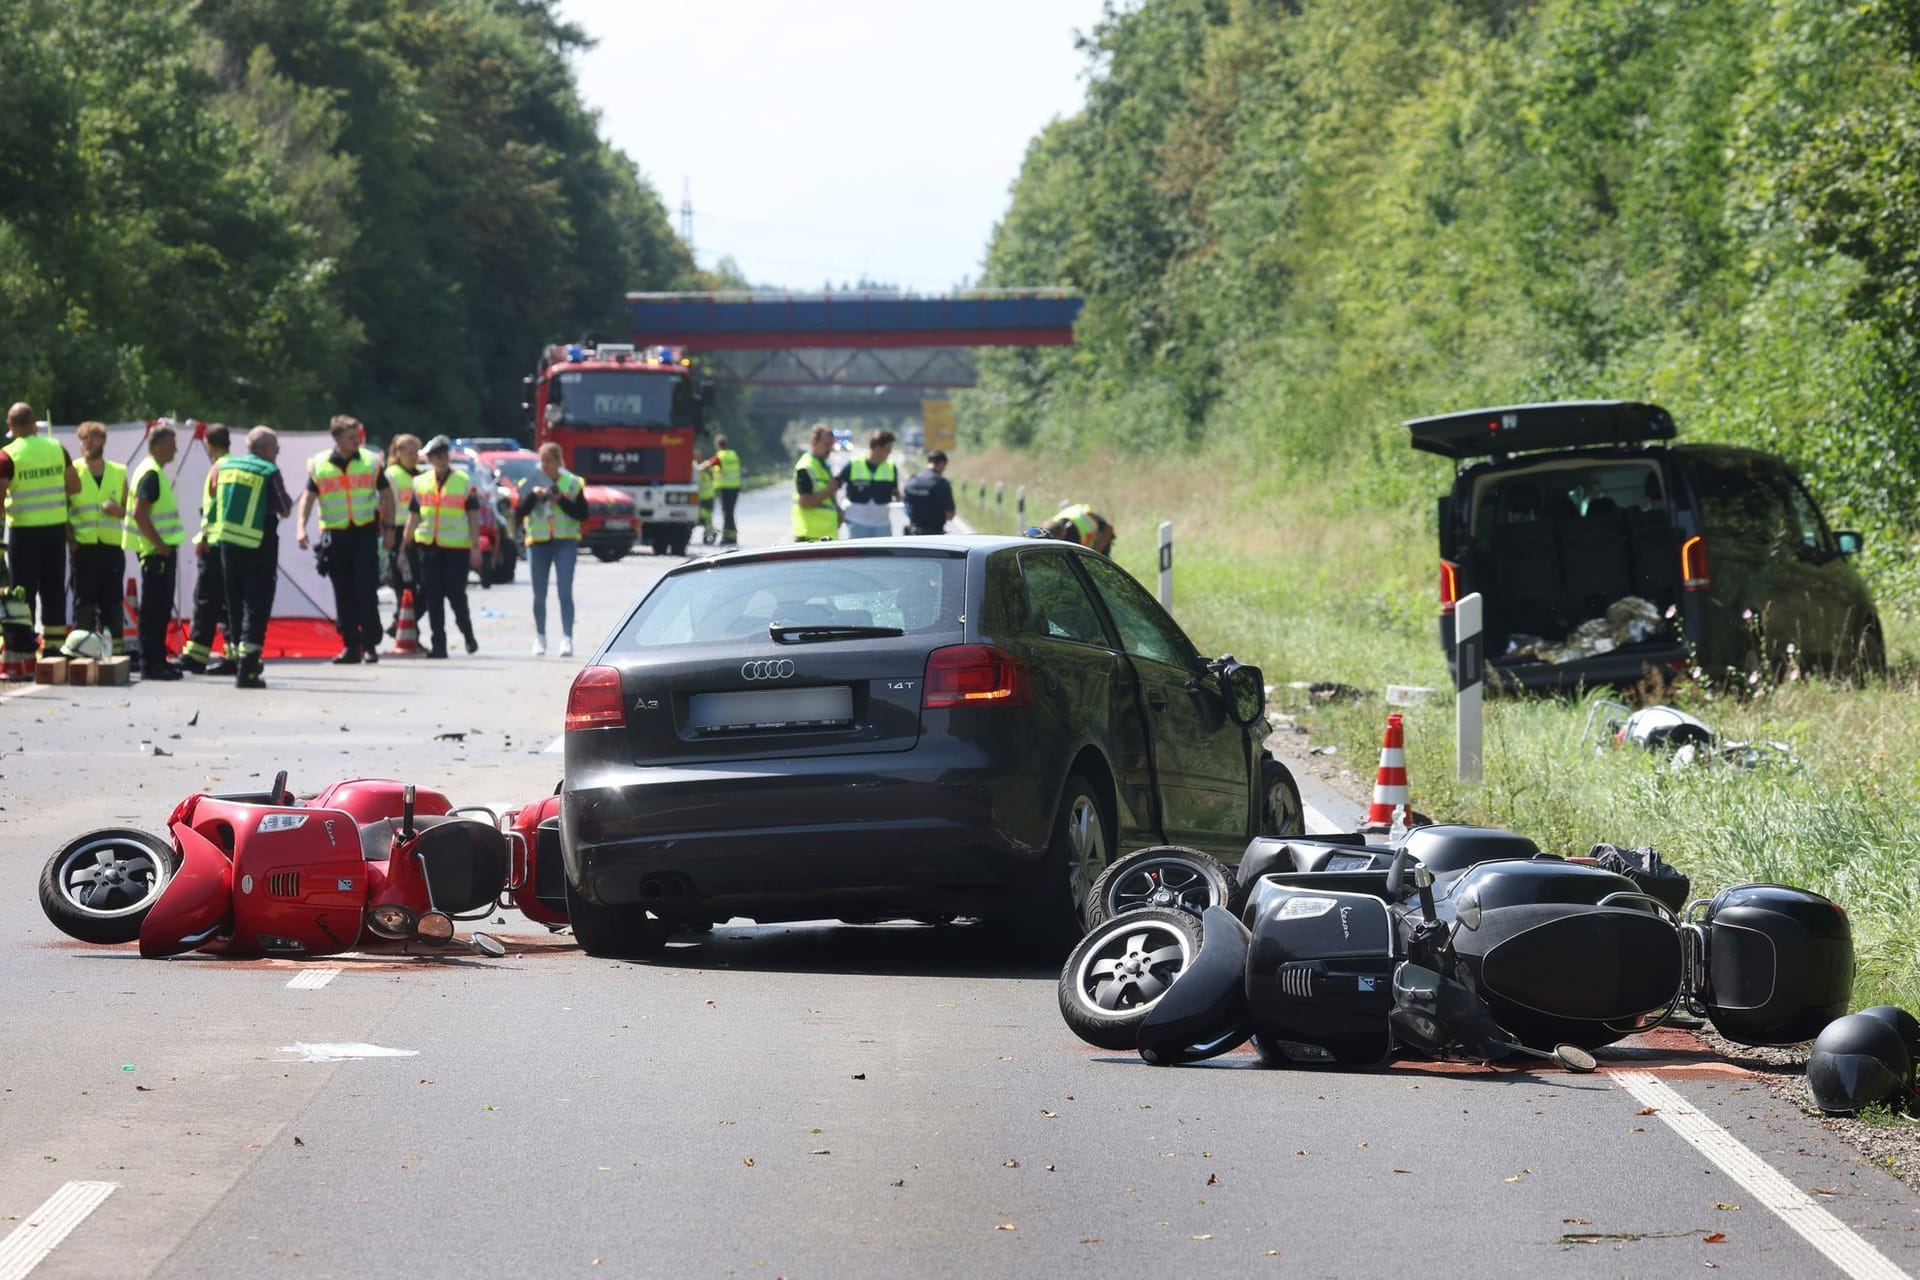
column 100, row 886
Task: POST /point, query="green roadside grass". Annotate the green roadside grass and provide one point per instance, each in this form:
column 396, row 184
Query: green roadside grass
column 1321, row 578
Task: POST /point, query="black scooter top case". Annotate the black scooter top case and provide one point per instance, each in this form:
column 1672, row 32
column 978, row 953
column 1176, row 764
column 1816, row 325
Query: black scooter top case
column 1319, row 975
column 1204, row 1013
column 1779, row 963
column 1554, row 966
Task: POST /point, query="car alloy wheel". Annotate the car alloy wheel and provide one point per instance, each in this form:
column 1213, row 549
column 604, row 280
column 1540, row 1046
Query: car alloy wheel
column 1086, row 839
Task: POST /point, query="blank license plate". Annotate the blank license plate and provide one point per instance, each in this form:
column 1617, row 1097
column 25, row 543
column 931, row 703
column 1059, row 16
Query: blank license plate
column 619, row 524
column 771, row 709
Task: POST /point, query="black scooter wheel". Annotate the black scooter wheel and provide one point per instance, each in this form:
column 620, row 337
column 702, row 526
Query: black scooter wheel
column 99, row 887
column 1168, row 875
column 1121, row 970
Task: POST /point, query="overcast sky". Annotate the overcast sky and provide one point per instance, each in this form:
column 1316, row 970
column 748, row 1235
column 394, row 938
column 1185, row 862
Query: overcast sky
column 822, row 142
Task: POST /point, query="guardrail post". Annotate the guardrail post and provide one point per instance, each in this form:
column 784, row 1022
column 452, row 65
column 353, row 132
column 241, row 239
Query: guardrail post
column 1468, row 673
column 1166, row 565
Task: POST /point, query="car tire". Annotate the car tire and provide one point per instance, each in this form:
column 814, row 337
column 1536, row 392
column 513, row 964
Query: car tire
column 1166, row 875
column 620, row 933
column 1281, row 811
column 1077, row 854
column 100, row 886
column 1117, row 973
column 607, row 555
column 681, row 539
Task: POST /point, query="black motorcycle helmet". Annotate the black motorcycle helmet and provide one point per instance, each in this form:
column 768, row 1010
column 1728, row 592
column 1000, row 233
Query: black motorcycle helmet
column 1859, row 1060
column 1901, row 1021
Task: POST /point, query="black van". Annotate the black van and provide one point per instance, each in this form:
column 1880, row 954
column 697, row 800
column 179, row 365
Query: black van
column 1601, row 552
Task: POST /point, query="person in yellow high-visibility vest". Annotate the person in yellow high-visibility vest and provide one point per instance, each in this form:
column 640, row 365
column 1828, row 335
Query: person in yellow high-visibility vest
column 703, row 492
column 356, row 502
column 440, row 525
column 37, row 483
column 99, row 561
column 1082, row 524
column 724, row 466
column 210, row 582
column 153, row 532
column 816, row 517
column 250, row 501
column 550, row 514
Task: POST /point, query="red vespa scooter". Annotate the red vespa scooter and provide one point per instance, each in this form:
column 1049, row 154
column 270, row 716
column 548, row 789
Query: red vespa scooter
column 260, row 874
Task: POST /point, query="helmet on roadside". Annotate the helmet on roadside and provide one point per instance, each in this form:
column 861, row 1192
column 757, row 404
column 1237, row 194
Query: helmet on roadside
column 86, row 644
column 1666, row 728
column 1901, row 1021
column 1859, row 1060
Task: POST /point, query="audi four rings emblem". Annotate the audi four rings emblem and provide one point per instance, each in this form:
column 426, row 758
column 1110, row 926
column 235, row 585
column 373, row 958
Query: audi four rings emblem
column 769, row 669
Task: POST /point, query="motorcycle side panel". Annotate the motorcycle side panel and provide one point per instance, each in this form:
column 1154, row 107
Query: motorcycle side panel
column 1319, row 977
column 199, row 897
column 1779, row 964
column 1566, row 972
column 302, row 890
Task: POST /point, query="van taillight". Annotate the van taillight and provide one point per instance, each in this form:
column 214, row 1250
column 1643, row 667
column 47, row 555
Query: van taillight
column 1693, row 564
column 1449, row 587
column 975, row 675
column 595, row 701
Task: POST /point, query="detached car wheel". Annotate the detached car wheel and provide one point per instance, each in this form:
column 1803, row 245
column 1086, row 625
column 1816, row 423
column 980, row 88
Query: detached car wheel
column 1120, row 971
column 99, row 887
column 1281, row 812
column 620, row 933
column 1169, row 875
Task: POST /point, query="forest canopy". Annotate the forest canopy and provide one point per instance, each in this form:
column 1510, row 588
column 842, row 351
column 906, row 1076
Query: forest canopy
column 1299, row 222
column 273, row 210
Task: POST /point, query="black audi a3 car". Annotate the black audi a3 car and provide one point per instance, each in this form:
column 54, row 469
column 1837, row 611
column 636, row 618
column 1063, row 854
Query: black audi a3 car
column 919, row 727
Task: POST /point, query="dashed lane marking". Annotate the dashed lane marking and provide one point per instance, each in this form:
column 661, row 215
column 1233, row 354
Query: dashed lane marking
column 312, row 979
column 1819, row 1228
column 41, row 1231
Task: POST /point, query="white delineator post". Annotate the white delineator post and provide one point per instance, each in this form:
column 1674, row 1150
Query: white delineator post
column 1469, row 661
column 1166, row 565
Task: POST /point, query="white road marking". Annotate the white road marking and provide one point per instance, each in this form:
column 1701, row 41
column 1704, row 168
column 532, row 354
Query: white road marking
column 21, row 693
column 312, row 979
column 1317, row 822
column 28, row 1244
column 344, row 1052
column 557, row 747
column 1832, row 1237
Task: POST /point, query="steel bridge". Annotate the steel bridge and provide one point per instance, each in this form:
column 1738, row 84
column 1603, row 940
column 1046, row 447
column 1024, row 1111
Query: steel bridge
column 855, row 352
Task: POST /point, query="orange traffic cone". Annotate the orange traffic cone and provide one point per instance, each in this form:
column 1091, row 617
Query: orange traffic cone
column 406, row 638
column 1390, row 784
column 130, row 621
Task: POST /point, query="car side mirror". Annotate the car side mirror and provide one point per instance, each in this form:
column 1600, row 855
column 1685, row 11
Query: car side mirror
column 1245, row 690
column 1848, row 541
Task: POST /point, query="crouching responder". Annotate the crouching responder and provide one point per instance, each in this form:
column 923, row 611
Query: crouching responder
column 250, row 499
column 1082, row 524
column 37, row 479
column 99, row 563
column 440, row 522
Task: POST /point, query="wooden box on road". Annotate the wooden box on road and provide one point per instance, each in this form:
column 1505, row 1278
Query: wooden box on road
column 50, row 671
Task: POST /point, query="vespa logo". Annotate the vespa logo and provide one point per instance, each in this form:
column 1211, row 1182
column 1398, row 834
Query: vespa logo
column 768, row 669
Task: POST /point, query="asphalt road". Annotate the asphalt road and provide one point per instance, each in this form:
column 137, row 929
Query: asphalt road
column 796, row 1101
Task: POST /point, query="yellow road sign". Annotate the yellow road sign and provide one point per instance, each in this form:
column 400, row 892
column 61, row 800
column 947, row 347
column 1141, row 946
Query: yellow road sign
column 937, row 415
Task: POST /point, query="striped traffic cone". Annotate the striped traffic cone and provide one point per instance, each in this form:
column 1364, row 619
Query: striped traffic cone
column 406, row 632
column 1390, row 783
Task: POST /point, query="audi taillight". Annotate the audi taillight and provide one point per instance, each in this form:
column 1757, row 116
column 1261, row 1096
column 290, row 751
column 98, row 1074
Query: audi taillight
column 1693, row 564
column 975, row 675
column 595, row 701
column 1449, row 587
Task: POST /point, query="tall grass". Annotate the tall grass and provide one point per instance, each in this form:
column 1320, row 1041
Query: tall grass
column 1318, row 577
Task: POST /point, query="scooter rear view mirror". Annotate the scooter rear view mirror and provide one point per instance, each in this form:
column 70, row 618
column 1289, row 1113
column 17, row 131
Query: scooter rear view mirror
column 1575, row 1059
column 489, row 946
column 435, row 927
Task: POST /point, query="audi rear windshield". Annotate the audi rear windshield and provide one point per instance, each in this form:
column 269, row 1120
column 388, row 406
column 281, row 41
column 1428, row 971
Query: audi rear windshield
column 922, row 593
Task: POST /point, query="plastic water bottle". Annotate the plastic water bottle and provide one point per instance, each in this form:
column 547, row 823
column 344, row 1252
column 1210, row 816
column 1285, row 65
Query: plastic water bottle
column 1397, row 833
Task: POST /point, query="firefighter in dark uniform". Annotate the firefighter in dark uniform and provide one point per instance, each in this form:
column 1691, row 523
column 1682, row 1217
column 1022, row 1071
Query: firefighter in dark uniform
column 210, row 586
column 250, row 500
column 356, row 503
column 37, row 479
column 152, row 530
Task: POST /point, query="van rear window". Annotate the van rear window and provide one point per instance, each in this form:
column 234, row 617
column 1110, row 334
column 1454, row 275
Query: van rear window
column 1569, row 490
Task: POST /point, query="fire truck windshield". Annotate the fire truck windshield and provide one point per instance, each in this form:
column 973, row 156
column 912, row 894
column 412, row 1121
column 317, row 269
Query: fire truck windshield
column 606, row 398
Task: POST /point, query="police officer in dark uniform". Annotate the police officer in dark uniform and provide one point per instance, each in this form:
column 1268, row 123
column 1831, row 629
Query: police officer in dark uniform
column 929, row 497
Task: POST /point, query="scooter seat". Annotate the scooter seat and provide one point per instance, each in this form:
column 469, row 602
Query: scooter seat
column 376, row 837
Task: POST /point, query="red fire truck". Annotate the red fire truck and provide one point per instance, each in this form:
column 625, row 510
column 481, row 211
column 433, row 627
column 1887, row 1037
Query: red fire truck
column 626, row 419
